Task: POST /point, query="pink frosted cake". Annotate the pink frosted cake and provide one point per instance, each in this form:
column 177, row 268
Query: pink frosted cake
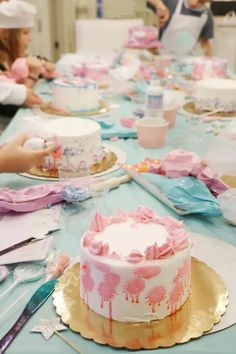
column 135, row 267
column 208, row 68
column 143, row 37
column 95, row 69
column 75, row 95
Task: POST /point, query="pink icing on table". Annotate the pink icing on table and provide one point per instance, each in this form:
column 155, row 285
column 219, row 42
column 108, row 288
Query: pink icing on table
column 155, row 296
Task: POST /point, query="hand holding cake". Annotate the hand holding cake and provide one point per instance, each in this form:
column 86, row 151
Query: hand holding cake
column 14, row 157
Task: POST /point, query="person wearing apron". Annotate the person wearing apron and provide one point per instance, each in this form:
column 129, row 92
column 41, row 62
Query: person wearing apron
column 184, row 28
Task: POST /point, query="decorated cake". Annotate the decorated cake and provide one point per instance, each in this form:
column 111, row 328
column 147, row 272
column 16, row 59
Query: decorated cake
column 214, row 94
column 95, row 69
column 208, row 68
column 143, row 37
column 135, row 267
column 80, row 147
column 75, row 95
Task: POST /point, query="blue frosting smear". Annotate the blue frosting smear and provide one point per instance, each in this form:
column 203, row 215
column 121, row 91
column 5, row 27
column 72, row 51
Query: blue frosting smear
column 187, row 193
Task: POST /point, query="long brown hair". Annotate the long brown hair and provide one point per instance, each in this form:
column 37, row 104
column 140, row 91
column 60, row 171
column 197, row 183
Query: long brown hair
column 10, row 45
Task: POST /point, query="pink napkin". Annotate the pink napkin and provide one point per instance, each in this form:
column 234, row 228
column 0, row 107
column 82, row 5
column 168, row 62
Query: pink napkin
column 30, row 198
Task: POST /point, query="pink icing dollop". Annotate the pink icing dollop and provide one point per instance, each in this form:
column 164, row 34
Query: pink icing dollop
column 143, row 215
column 179, row 163
column 98, row 248
column 134, row 257
column 58, row 266
column 99, row 223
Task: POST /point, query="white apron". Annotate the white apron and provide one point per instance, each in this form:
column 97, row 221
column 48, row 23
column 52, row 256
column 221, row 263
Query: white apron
column 182, row 33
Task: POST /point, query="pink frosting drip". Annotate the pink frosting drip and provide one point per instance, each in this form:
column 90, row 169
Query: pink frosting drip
column 177, row 236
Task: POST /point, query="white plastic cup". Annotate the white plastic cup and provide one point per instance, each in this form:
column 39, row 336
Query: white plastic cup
column 152, row 132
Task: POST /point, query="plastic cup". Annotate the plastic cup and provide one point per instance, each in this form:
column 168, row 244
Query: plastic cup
column 152, row 132
column 169, row 114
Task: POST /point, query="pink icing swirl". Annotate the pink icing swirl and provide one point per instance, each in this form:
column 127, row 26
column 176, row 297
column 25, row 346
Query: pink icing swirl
column 98, row 248
column 143, row 215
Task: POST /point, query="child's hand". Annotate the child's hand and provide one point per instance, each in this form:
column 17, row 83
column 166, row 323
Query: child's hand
column 15, row 158
column 32, row 99
column 35, row 66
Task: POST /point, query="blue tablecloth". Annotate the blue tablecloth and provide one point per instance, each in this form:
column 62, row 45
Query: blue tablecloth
column 127, row 197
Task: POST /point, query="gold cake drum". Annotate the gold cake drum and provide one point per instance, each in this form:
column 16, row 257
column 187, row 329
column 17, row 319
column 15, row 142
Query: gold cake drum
column 204, row 308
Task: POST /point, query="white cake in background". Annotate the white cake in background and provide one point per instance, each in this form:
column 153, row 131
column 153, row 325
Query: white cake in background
column 135, row 267
column 95, row 69
column 79, row 139
column 209, row 67
column 75, row 95
column 213, row 94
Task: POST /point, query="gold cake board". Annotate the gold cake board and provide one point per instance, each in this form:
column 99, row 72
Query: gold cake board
column 190, row 108
column 204, row 308
column 107, row 162
column 48, row 108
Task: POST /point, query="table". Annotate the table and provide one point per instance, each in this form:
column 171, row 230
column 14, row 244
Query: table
column 127, row 197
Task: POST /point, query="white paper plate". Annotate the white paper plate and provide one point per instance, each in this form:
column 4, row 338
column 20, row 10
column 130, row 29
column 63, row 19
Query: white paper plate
column 121, row 158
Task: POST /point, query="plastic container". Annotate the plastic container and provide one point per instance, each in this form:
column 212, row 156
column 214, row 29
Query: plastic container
column 154, row 100
column 152, row 132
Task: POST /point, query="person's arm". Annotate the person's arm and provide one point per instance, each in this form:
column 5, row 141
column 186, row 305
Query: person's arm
column 15, row 158
column 11, row 93
column 162, row 11
column 18, row 95
column 206, row 47
column 207, row 34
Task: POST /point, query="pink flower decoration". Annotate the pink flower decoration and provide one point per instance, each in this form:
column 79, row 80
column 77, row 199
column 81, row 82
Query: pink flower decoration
column 147, row 272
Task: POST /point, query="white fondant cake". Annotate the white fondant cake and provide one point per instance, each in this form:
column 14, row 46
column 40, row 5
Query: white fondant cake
column 75, row 95
column 213, row 94
column 208, row 68
column 79, row 140
column 135, row 267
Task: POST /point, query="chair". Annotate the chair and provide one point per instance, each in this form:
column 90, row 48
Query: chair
column 103, row 37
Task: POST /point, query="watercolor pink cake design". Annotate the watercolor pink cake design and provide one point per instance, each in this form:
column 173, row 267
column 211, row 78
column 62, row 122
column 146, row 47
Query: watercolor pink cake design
column 136, row 266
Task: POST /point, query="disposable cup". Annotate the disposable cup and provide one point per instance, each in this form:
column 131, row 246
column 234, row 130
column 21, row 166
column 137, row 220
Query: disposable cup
column 152, row 132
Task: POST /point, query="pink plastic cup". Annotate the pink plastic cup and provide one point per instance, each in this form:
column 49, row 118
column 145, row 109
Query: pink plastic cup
column 169, row 114
column 152, row 132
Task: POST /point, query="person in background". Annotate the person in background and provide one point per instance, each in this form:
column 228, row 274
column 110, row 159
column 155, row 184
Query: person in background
column 17, row 95
column 16, row 22
column 184, row 23
column 13, row 43
column 15, row 158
